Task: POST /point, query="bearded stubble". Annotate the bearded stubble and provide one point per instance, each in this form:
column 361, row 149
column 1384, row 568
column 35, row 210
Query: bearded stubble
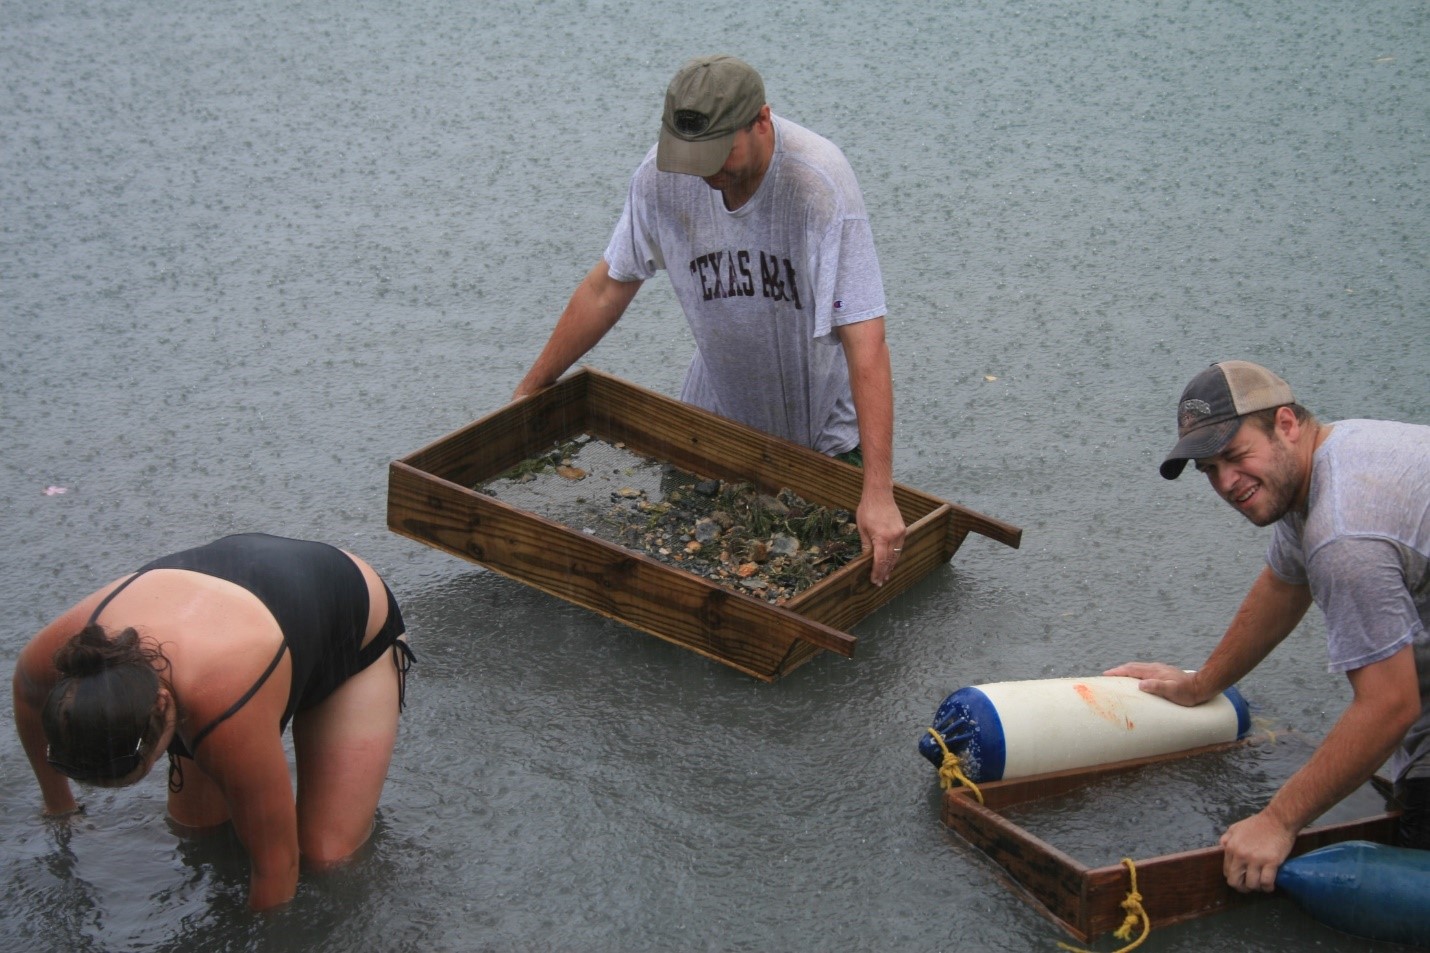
column 1280, row 484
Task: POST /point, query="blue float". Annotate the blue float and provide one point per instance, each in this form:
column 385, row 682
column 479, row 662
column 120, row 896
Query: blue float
column 1364, row 889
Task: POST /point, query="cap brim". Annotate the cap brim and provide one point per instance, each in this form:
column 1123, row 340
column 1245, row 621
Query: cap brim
column 1203, row 442
column 703, row 157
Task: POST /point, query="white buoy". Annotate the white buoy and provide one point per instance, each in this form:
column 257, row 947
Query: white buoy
column 1015, row 729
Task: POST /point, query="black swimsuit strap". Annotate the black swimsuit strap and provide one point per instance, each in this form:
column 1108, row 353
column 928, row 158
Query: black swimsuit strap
column 242, row 701
column 112, row 593
column 232, row 708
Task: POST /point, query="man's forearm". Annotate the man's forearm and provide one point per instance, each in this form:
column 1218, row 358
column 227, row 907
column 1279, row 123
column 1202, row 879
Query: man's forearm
column 1386, row 704
column 872, row 388
column 595, row 307
column 1269, row 613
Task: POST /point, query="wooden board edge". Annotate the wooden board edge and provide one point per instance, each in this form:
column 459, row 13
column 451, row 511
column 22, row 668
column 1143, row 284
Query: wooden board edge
column 1190, row 884
column 847, row 479
column 1051, row 878
column 796, row 625
column 1175, row 887
column 1015, row 791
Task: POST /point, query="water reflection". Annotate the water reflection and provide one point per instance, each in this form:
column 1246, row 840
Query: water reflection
column 254, row 251
column 1180, row 805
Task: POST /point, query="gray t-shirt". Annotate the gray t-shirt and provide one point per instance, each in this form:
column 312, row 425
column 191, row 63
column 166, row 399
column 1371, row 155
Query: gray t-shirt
column 763, row 287
column 1364, row 549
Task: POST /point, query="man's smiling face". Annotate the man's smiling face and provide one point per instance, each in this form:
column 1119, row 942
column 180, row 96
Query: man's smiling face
column 1257, row 473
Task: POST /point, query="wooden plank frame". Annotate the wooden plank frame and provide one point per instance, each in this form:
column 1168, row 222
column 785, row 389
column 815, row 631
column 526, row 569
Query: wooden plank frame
column 1086, row 901
column 431, row 499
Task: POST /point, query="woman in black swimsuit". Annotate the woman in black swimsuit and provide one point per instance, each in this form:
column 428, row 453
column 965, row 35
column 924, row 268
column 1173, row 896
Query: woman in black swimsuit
column 206, row 655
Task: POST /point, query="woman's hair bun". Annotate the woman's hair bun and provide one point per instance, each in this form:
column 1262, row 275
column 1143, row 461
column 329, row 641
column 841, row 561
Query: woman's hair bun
column 92, row 651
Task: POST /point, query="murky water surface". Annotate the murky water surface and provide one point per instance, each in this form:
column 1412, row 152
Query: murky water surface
column 1179, row 805
column 251, row 252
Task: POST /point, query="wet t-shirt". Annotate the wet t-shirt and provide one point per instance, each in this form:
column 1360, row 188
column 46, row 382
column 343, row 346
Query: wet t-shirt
column 1363, row 547
column 764, row 286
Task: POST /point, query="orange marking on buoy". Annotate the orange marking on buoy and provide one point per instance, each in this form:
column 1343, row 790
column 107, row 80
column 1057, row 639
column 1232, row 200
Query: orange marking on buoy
column 1100, row 708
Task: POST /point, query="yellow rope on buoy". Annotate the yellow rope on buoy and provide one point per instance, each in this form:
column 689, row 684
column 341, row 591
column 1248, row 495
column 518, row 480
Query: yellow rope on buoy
column 950, row 770
column 1133, row 905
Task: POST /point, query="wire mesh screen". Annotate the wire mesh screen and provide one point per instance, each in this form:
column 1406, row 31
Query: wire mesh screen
column 771, row 547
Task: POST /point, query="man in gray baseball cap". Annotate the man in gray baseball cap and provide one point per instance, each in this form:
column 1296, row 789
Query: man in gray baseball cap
column 708, row 102
column 760, row 225
column 1349, row 504
column 1212, row 405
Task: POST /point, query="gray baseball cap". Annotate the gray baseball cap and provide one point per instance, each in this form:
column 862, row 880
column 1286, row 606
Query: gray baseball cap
column 1212, row 405
column 708, row 101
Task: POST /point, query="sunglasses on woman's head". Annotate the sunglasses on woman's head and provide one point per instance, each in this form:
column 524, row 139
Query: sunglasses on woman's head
column 119, row 767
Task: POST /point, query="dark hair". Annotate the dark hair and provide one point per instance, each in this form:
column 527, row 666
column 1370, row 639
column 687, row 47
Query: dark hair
column 1265, row 420
column 102, row 709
